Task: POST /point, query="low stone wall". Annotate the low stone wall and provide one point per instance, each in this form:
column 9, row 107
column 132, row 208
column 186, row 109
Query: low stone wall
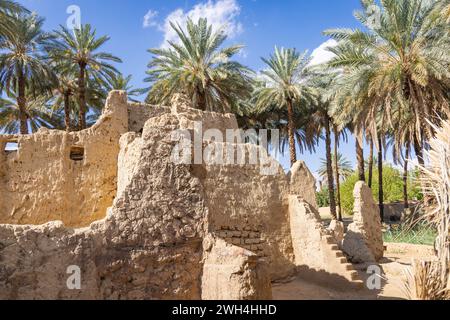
column 233, row 273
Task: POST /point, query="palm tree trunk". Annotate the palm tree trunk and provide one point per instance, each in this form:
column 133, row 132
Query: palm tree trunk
column 82, row 97
column 330, row 168
column 371, row 163
column 380, row 177
column 291, row 129
column 360, row 160
column 201, row 103
column 418, row 149
column 405, row 179
column 67, row 110
column 337, row 173
column 22, row 104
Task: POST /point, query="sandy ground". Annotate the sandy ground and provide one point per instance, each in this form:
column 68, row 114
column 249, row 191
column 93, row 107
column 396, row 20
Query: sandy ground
column 397, row 258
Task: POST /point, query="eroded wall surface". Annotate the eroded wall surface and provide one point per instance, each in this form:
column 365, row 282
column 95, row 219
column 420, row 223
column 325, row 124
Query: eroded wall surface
column 40, row 182
column 148, row 247
column 174, row 230
column 317, row 254
column 151, row 244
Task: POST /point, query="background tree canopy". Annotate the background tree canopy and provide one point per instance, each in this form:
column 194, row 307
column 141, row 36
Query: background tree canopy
column 392, row 183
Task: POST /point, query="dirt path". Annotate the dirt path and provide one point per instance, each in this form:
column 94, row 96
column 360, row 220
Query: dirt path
column 397, row 258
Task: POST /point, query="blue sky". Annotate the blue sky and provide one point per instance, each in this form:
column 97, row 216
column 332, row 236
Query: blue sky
column 137, row 25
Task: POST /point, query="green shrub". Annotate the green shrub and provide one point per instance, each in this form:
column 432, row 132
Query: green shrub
column 323, row 198
column 392, row 184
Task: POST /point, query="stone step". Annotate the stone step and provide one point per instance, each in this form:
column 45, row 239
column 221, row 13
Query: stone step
column 349, row 267
column 343, row 260
column 339, row 254
column 330, row 240
column 334, row 247
column 354, row 276
column 359, row 284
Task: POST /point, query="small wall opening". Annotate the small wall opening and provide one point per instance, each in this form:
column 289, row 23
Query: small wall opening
column 11, row 146
column 77, row 153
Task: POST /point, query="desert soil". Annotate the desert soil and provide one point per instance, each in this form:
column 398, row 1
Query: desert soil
column 397, row 258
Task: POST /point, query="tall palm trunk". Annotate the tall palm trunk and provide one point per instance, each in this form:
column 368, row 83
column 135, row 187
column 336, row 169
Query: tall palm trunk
column 330, row 168
column 371, row 163
column 337, row 173
column 380, row 177
column 201, row 99
column 418, row 149
column 82, row 96
column 291, row 129
column 360, row 160
column 22, row 103
column 67, row 108
column 405, row 179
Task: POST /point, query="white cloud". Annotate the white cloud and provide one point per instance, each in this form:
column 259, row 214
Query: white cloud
column 220, row 14
column 149, row 19
column 321, row 54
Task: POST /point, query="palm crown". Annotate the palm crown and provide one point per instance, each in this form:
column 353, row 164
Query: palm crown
column 80, row 49
column 199, row 68
column 399, row 66
column 284, row 85
column 22, row 66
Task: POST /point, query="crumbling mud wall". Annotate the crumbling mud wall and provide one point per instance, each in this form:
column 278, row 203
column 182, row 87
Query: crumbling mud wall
column 168, row 229
column 247, row 207
column 56, row 175
column 148, row 247
column 363, row 241
column 234, row 273
column 317, row 255
column 151, row 242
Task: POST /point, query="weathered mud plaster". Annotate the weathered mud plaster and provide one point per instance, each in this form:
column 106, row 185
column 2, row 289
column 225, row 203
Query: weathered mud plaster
column 40, row 182
column 142, row 226
column 234, row 273
column 149, row 244
column 317, row 255
column 363, row 241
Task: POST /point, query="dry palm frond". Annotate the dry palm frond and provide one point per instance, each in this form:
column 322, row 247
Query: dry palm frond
column 423, row 281
column 430, row 280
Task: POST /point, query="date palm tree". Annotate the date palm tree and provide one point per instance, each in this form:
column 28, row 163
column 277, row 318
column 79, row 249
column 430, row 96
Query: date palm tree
column 80, row 49
column 22, row 63
column 401, row 64
column 344, row 166
column 199, row 68
column 64, row 91
column 37, row 113
column 286, row 88
column 323, row 122
column 119, row 82
column 7, row 11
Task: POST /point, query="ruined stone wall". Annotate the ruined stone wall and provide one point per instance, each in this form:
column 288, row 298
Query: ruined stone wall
column 363, row 241
column 232, row 273
column 151, row 244
column 56, row 175
column 153, row 228
column 317, row 254
column 148, row 247
column 248, row 208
